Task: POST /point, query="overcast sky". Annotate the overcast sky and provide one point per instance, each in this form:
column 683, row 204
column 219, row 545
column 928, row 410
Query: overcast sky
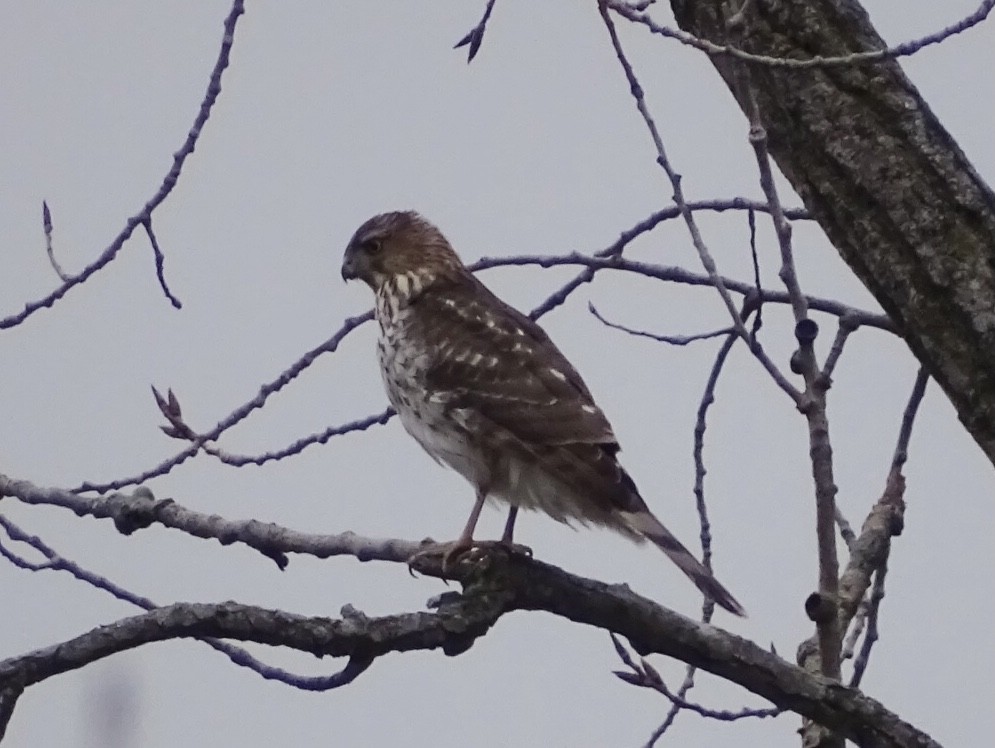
column 332, row 112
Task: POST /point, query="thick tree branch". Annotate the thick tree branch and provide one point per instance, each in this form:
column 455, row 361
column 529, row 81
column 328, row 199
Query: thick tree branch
column 868, row 557
column 492, row 587
column 131, row 512
column 56, row 562
column 884, row 179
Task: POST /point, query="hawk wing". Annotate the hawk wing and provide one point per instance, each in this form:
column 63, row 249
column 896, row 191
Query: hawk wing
column 500, row 367
column 495, row 360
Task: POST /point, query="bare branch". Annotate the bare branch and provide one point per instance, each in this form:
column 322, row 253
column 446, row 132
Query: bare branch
column 643, row 674
column 670, row 339
column 238, row 414
column 700, row 424
column 453, row 628
column 46, row 221
column 705, row 533
column 721, row 50
column 896, row 519
column 707, row 260
column 8, row 700
column 822, row 606
column 674, row 274
column 57, row 562
column 909, row 418
column 843, row 330
column 378, row 419
column 202, row 441
column 131, row 512
column 660, row 272
column 615, row 249
column 757, row 298
column 160, row 261
column 869, row 553
column 168, row 182
column 856, row 629
column 877, row 595
column 503, row 584
column 846, row 530
column 476, row 34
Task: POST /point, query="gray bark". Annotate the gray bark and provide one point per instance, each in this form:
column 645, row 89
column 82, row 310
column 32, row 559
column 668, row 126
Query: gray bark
column 887, row 183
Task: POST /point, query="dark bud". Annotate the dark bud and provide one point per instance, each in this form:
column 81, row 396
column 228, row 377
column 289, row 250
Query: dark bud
column 796, row 362
column 820, row 608
column 805, row 332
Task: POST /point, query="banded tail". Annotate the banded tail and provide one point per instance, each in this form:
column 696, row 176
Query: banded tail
column 650, row 528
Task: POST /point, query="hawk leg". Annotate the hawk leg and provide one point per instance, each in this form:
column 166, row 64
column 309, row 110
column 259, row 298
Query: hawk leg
column 465, row 542
column 455, row 549
column 509, row 527
column 507, row 541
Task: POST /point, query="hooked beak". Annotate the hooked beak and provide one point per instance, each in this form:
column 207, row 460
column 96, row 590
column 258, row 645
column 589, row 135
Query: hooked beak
column 349, row 270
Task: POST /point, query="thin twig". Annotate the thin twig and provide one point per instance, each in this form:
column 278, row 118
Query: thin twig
column 550, row 303
column 707, row 260
column 856, row 629
column 705, row 529
column 160, row 261
column 46, row 222
column 901, row 453
column 643, row 674
column 57, row 562
column 476, row 34
column 168, row 182
column 899, row 50
column 675, row 274
column 239, row 414
column 698, row 451
column 751, row 222
column 298, row 446
column 782, row 229
column 844, row 327
column 872, row 635
column 615, row 249
column 669, row 339
column 846, row 530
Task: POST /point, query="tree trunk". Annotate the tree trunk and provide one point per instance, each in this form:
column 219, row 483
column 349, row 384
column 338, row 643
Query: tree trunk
column 889, row 186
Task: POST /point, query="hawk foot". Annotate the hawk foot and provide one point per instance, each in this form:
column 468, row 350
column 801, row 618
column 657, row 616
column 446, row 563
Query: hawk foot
column 475, row 551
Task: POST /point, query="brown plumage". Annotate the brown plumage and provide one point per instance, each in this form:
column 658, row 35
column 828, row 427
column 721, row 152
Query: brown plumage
column 484, row 391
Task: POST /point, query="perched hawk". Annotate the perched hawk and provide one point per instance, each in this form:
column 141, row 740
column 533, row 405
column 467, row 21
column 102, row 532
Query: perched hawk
column 484, row 391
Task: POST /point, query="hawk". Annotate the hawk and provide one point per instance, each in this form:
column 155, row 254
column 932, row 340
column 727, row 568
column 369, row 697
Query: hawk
column 485, row 392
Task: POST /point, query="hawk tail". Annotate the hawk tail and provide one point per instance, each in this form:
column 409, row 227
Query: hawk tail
column 650, row 528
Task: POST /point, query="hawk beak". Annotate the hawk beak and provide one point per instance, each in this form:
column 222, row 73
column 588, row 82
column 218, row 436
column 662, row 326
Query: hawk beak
column 349, row 271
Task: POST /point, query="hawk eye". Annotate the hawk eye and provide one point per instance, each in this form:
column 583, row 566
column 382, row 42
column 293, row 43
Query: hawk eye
column 372, row 246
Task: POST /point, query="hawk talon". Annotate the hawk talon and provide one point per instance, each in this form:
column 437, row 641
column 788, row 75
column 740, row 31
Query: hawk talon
column 448, row 551
column 476, row 551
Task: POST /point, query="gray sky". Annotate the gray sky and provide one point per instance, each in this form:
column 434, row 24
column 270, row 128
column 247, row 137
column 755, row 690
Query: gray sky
column 332, row 112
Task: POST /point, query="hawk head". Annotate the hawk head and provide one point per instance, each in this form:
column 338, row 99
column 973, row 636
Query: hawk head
column 398, row 247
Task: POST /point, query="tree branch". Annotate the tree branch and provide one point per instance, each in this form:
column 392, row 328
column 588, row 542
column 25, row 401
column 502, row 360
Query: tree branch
column 131, row 512
column 144, row 216
column 861, row 135
column 496, row 585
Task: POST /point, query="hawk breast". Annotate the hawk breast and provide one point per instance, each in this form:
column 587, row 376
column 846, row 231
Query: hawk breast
column 483, row 390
